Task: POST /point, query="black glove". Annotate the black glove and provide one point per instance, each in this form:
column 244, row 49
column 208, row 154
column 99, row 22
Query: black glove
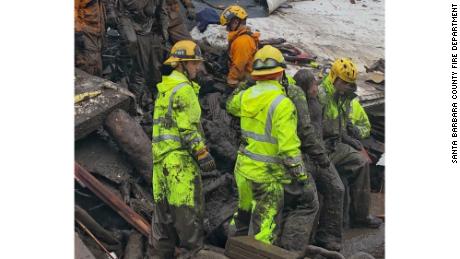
column 79, row 41
column 206, row 162
column 356, row 144
column 298, row 173
column 322, row 160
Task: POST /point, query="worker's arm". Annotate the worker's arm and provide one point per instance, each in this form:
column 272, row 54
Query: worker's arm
column 285, row 131
column 359, row 119
column 310, row 142
column 233, row 105
column 241, row 53
column 187, row 111
column 164, row 19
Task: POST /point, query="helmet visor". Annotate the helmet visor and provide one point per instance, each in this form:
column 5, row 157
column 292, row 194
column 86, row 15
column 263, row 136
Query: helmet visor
column 268, row 63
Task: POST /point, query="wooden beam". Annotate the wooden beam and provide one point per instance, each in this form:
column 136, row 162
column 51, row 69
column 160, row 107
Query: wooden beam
column 112, row 200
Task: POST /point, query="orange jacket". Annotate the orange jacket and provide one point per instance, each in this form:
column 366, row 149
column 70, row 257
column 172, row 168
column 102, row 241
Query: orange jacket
column 243, row 46
column 89, row 16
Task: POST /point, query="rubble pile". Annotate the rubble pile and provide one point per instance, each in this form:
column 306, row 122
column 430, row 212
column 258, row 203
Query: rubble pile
column 112, row 146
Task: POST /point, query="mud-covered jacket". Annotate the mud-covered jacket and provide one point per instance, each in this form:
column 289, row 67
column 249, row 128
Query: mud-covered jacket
column 242, row 48
column 176, row 117
column 173, row 8
column 146, row 15
column 90, row 16
column 311, row 143
column 359, row 119
column 269, row 132
column 336, row 112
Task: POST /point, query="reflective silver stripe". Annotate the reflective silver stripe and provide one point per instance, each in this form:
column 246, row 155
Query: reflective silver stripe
column 293, row 160
column 166, row 137
column 268, row 122
column 267, row 137
column 193, row 141
column 259, row 137
column 261, row 158
column 171, row 98
column 161, row 120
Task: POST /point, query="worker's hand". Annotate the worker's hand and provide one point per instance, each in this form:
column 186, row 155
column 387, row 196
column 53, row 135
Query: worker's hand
column 298, row 173
column 356, row 144
column 165, row 35
column 191, row 13
column 232, row 83
column 79, row 41
column 322, row 160
column 206, row 161
column 353, row 131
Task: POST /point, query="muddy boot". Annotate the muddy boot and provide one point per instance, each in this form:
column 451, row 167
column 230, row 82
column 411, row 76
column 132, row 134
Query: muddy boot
column 369, row 222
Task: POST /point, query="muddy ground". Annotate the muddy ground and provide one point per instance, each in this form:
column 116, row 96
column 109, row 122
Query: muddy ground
column 325, row 28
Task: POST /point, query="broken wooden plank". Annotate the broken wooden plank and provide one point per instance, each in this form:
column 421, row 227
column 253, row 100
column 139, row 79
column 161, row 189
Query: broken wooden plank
column 246, row 247
column 90, row 114
column 112, row 200
column 101, row 246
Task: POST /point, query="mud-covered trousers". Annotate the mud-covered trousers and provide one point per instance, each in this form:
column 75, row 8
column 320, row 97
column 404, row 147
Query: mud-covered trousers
column 353, row 168
column 177, row 28
column 177, row 219
column 330, row 186
column 259, row 212
column 145, row 50
column 299, row 215
column 89, row 58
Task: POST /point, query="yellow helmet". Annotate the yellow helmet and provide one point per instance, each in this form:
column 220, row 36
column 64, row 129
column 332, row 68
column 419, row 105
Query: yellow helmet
column 268, row 60
column 231, row 12
column 344, row 69
column 184, row 50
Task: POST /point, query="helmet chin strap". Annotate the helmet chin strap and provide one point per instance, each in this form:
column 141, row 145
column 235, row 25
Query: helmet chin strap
column 187, row 74
column 284, row 80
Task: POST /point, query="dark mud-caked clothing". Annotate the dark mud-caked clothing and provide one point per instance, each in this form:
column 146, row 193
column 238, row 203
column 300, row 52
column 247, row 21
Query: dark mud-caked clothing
column 177, row 28
column 300, row 211
column 90, row 19
column 142, row 24
column 327, row 179
column 177, row 186
column 359, row 119
column 310, row 143
column 352, row 166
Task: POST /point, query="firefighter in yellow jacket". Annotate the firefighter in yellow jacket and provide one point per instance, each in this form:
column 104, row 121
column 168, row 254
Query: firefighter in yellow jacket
column 179, row 152
column 270, row 155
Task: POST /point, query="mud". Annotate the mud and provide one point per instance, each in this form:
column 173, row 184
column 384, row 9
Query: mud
column 371, row 241
column 122, row 159
column 135, row 246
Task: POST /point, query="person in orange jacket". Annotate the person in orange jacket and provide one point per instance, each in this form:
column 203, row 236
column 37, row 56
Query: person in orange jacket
column 90, row 25
column 242, row 44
